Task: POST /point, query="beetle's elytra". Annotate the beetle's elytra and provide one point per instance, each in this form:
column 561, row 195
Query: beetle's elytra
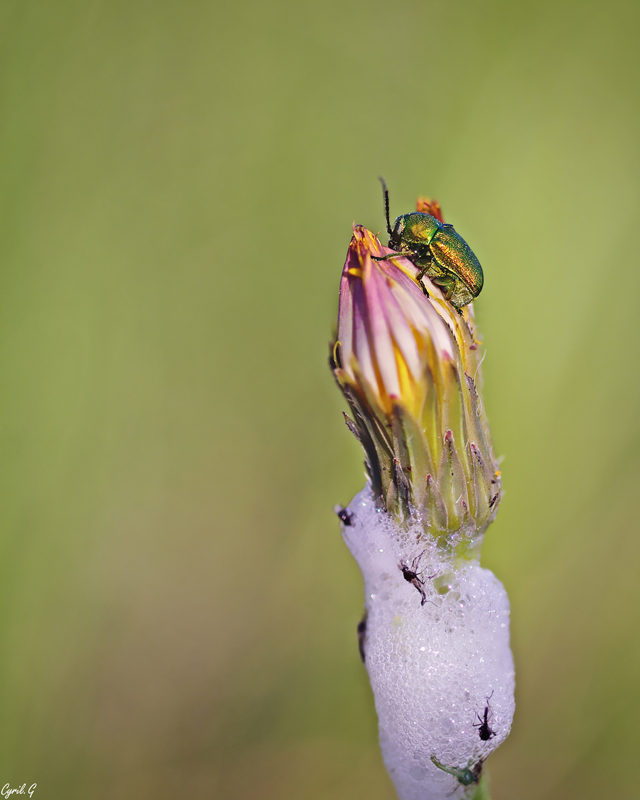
column 438, row 252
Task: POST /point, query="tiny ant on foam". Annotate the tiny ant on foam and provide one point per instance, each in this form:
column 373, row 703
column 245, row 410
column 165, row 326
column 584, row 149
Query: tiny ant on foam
column 484, row 729
column 344, row 514
column 362, row 632
column 411, row 575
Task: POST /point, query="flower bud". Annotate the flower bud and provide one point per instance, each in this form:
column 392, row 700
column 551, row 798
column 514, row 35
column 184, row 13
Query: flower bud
column 408, row 364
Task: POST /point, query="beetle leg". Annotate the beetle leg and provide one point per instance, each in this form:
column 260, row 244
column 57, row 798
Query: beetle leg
column 446, row 284
column 389, row 257
column 419, row 278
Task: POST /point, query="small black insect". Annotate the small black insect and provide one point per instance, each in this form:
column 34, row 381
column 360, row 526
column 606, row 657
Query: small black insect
column 484, row 729
column 412, row 576
column 362, row 631
column 344, row 514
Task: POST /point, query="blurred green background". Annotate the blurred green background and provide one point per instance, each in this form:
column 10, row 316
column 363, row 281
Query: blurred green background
column 177, row 187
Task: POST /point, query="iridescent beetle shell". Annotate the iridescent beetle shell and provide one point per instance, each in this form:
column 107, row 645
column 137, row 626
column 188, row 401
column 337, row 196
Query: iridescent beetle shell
column 438, row 251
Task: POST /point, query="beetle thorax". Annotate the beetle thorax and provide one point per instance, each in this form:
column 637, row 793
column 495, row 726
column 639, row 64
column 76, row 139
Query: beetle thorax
column 414, row 229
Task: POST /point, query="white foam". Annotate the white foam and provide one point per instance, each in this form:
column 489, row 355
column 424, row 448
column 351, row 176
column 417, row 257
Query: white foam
column 435, row 667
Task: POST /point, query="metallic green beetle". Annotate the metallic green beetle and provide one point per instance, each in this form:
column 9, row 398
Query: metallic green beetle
column 438, row 252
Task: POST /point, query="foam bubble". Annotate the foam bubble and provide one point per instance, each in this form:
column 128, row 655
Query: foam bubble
column 437, row 653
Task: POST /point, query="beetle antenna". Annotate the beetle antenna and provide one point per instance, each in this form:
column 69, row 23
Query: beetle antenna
column 386, row 205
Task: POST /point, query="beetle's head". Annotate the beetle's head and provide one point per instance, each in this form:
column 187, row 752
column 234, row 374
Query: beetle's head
column 414, row 229
column 395, row 236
